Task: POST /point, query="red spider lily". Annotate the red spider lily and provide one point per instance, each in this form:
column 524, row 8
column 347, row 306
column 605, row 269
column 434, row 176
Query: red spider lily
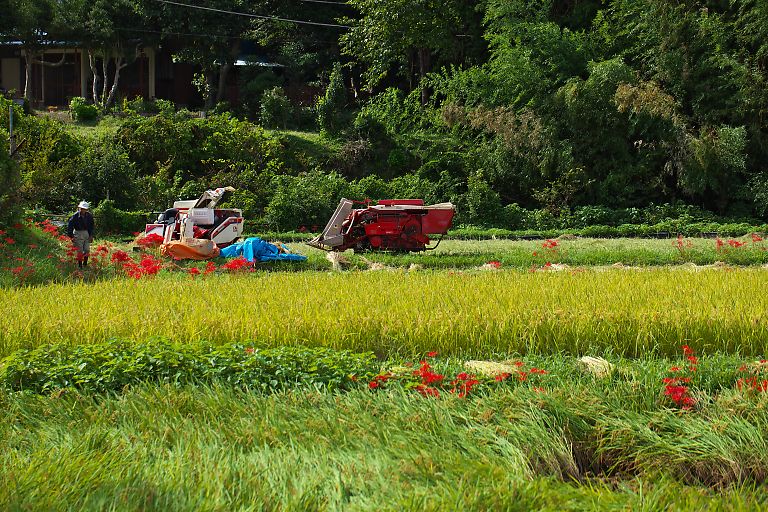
column 427, row 375
column 373, row 384
column 236, row 264
column 494, row 264
column 463, row 383
column 502, row 377
column 736, row 244
column 249, row 350
column 18, row 225
column 10, row 241
column 679, row 395
column 519, row 364
column 151, row 240
column 432, row 354
column 193, row 271
column 120, row 256
column 32, row 246
column 687, row 350
column 756, row 238
column 209, row 268
column 539, row 371
column 539, row 390
column 522, row 376
column 2, row 232
column 719, row 244
column 550, row 244
column 427, row 391
column 675, row 369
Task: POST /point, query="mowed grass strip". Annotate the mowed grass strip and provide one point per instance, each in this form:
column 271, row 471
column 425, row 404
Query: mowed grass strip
column 575, row 447
column 399, row 313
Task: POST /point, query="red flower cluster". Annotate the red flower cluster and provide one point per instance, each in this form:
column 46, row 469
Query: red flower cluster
column 48, row 228
column 494, row 264
column 550, row 244
column 239, row 263
column 756, row 238
column 120, row 257
column 210, row 267
column 148, row 266
column 427, row 375
column 682, row 245
column 757, row 382
column 736, row 244
column 463, row 383
column 152, row 240
column 676, row 387
column 379, row 380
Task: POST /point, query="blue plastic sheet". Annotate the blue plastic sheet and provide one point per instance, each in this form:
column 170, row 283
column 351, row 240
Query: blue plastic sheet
column 255, row 248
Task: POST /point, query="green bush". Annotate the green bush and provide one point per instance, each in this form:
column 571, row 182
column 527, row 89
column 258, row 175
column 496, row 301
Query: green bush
column 81, row 110
column 110, row 220
column 330, row 107
column 275, row 108
column 113, row 365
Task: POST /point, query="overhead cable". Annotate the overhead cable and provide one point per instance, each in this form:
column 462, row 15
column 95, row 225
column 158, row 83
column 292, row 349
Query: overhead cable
column 249, row 15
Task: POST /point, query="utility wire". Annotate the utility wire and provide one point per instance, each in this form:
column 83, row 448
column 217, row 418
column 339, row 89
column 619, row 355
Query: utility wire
column 273, row 18
column 213, row 36
column 324, row 2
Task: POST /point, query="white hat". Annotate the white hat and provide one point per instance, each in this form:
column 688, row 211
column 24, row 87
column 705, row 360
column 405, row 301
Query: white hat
column 84, row 204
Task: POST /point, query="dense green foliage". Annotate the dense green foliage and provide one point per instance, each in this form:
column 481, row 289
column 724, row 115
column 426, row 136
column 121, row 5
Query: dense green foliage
column 114, row 365
column 496, row 106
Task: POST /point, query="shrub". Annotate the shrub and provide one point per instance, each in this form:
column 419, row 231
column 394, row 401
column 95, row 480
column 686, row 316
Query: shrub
column 113, row 365
column 81, row 110
column 109, row 219
column 275, row 108
column 330, row 107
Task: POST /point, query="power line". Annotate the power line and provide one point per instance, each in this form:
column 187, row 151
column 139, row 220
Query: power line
column 325, row 2
column 214, row 36
column 273, row 18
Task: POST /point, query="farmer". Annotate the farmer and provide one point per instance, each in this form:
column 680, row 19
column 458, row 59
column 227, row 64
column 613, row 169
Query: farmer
column 80, row 230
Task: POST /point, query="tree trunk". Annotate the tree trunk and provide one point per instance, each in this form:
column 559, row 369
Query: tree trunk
column 28, row 60
column 234, row 51
column 119, row 65
column 104, row 79
column 95, row 73
column 424, row 67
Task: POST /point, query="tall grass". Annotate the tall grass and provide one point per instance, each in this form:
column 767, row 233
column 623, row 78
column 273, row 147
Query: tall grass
column 577, row 447
column 391, row 313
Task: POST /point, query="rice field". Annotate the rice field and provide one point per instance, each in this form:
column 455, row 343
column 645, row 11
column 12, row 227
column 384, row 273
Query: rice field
column 480, row 313
column 567, row 439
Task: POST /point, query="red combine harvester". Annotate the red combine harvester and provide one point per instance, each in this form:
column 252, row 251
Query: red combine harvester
column 390, row 225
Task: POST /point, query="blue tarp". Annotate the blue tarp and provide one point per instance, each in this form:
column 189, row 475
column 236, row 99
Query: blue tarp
column 257, row 249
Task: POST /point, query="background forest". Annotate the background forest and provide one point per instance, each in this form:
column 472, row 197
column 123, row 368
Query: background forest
column 526, row 114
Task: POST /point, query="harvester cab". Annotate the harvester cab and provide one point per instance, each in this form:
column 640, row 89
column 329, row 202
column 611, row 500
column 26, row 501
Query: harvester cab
column 199, row 219
column 390, row 225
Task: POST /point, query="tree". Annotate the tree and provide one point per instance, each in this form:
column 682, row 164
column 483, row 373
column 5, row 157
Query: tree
column 102, row 27
column 400, row 33
column 218, row 45
column 32, row 23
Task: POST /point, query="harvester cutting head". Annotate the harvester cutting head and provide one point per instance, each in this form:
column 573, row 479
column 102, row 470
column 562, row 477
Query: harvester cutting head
column 390, row 225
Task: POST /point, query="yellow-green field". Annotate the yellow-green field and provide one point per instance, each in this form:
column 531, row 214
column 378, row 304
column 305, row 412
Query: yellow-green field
column 628, row 312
